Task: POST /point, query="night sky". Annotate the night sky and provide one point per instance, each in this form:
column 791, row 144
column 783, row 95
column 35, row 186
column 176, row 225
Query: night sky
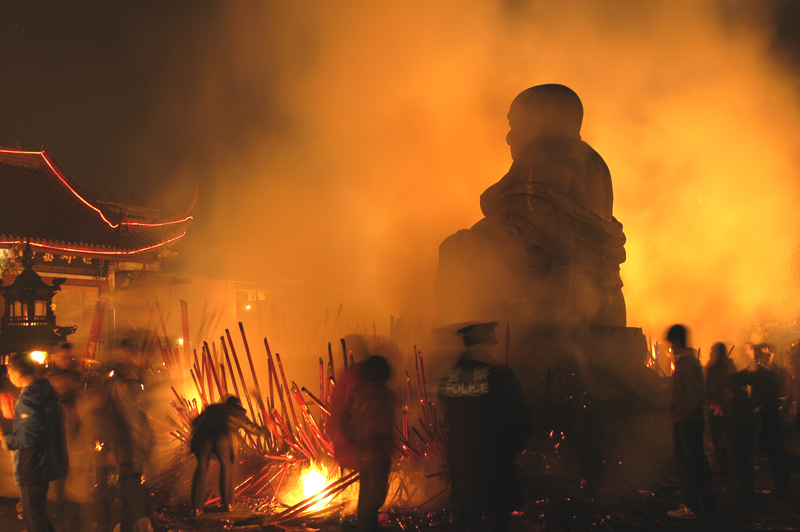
column 344, row 142
column 110, row 87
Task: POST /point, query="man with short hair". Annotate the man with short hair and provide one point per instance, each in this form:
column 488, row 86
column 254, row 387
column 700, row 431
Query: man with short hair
column 688, row 399
column 37, row 439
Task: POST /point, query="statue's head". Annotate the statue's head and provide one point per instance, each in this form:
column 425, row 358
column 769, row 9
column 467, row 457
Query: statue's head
column 543, row 111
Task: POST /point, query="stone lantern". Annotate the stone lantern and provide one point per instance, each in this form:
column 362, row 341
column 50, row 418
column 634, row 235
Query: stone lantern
column 29, row 323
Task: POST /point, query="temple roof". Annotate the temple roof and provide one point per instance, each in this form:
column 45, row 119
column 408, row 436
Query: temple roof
column 39, row 203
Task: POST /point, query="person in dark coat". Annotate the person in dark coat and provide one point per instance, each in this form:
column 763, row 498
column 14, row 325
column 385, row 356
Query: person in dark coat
column 66, row 380
column 489, row 423
column 368, row 423
column 741, row 435
column 38, row 441
column 765, row 396
column 344, row 452
column 718, row 390
column 212, row 435
column 125, row 441
column 688, row 399
column 793, row 365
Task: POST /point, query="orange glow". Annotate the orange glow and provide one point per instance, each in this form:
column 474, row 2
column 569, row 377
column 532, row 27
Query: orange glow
column 313, row 479
column 428, row 116
column 7, row 405
column 653, row 360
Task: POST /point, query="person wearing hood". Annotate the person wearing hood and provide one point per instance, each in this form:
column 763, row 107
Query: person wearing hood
column 38, row 441
column 489, row 423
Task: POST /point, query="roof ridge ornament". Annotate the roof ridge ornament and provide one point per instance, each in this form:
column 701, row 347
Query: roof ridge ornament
column 27, row 255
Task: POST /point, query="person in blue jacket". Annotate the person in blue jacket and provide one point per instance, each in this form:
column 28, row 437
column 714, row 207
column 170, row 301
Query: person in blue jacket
column 37, row 439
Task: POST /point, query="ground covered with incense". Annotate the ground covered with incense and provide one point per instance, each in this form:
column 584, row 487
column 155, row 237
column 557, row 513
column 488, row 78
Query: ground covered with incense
column 274, row 493
column 551, row 503
column 288, row 480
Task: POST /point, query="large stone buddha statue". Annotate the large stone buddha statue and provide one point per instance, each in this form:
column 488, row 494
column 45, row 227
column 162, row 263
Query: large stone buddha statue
column 548, row 249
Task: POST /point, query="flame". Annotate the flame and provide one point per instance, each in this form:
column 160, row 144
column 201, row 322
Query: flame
column 653, row 360
column 38, row 356
column 314, row 478
column 313, row 482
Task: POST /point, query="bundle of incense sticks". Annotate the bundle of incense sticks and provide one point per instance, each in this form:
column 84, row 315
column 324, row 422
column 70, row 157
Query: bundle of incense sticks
column 297, row 439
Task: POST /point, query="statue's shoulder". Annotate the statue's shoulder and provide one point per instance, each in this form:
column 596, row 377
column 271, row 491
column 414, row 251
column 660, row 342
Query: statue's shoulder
column 559, row 150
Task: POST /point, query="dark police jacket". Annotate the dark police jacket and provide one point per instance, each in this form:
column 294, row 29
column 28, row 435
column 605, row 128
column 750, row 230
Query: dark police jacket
column 489, row 422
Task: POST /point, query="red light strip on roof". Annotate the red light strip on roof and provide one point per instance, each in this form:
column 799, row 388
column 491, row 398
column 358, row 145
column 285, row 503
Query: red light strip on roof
column 91, row 251
column 63, row 179
column 159, row 224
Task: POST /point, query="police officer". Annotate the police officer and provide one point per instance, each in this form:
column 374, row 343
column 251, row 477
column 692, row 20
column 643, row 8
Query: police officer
column 489, row 422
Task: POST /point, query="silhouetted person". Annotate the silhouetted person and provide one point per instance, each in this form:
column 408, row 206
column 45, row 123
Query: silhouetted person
column 718, row 389
column 741, row 435
column 765, row 396
column 212, row 435
column 126, row 438
column 793, row 365
column 688, row 399
column 343, row 450
column 489, row 423
column 367, row 423
column 38, row 441
column 65, row 378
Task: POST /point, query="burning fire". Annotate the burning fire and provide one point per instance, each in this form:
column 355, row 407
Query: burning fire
column 292, row 471
column 313, row 479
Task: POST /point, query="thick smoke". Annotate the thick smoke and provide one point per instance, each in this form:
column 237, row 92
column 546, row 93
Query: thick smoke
column 365, row 134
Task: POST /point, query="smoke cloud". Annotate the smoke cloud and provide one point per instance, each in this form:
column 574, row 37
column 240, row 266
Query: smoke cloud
column 337, row 145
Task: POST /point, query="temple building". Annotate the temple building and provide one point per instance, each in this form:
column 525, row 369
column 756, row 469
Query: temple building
column 102, row 247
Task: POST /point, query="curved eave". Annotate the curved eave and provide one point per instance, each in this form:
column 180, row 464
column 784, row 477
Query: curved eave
column 146, row 253
column 92, row 208
column 90, row 231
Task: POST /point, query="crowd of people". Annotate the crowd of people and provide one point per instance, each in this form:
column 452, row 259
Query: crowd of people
column 88, row 426
column 740, row 412
column 99, row 417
